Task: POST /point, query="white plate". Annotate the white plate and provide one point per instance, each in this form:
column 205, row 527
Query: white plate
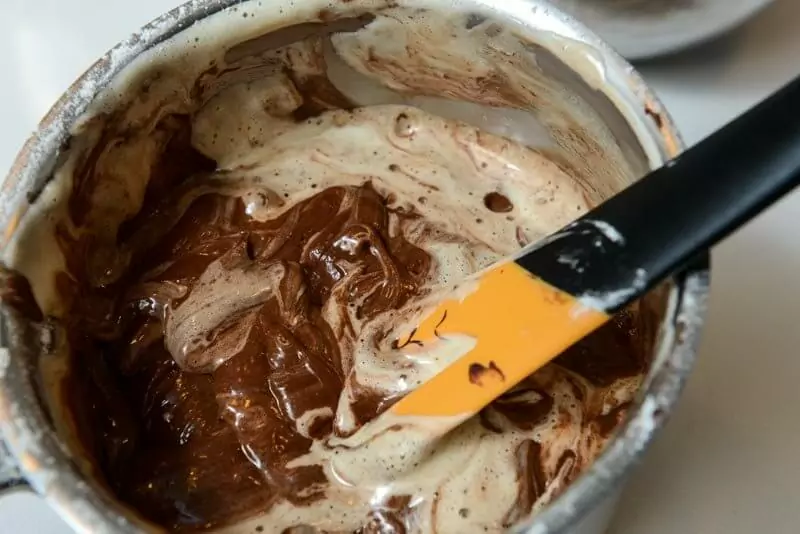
column 641, row 29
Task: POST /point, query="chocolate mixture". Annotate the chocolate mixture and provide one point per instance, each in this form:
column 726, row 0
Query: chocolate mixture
column 205, row 362
column 199, row 446
column 209, row 443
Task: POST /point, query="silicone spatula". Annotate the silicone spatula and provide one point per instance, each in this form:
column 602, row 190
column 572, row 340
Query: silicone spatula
column 524, row 311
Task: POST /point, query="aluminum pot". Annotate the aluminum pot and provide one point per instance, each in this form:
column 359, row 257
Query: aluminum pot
column 34, row 455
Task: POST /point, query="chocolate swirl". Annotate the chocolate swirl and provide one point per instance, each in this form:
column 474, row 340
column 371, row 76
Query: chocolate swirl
column 233, row 356
column 234, row 265
column 227, row 348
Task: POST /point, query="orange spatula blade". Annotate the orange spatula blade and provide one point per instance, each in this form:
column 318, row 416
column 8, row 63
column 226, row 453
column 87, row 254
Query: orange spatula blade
column 518, row 322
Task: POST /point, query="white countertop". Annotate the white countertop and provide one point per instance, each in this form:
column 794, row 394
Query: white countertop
column 728, row 460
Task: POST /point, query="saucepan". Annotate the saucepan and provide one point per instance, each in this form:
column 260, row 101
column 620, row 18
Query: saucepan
column 596, row 108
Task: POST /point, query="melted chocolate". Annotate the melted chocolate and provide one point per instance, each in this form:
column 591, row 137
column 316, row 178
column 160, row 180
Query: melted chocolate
column 530, row 479
column 207, row 439
column 209, row 446
column 497, row 203
column 621, row 348
column 200, row 449
column 15, row 291
column 193, row 450
column 479, row 372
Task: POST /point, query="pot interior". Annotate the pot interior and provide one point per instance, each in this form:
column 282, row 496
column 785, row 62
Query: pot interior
column 70, row 254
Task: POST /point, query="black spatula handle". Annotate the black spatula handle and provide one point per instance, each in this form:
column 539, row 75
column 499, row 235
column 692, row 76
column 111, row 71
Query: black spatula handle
column 648, row 231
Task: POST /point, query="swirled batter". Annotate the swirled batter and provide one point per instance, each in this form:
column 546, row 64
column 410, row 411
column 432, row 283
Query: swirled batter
column 255, row 325
column 235, row 261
